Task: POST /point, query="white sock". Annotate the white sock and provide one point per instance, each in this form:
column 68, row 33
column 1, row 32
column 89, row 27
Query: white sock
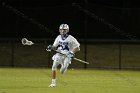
column 53, row 81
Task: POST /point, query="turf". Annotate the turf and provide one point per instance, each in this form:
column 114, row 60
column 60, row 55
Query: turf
column 36, row 80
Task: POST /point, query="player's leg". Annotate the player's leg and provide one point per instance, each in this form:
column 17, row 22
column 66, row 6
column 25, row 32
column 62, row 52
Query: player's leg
column 65, row 65
column 54, row 68
column 56, row 61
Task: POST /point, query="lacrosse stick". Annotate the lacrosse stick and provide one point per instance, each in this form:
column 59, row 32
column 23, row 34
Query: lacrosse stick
column 26, row 42
column 72, row 57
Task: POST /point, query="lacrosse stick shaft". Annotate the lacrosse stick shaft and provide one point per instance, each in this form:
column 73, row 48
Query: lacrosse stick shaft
column 73, row 58
column 80, row 60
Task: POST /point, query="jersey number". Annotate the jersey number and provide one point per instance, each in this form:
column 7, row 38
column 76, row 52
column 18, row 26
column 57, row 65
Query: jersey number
column 64, row 47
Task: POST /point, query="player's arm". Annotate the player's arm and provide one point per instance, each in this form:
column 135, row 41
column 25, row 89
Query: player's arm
column 76, row 45
column 51, row 47
column 75, row 50
column 55, row 45
column 72, row 52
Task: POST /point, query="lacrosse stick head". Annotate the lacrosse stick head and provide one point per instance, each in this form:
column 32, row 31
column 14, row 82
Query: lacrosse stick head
column 25, row 41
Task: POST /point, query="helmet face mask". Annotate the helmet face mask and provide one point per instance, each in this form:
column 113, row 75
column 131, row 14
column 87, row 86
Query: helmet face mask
column 64, row 29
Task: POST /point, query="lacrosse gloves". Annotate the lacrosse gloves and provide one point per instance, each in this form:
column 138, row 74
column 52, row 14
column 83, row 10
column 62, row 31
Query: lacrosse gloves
column 49, row 48
column 70, row 54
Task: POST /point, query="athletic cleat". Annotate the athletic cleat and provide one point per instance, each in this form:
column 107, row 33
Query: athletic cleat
column 52, row 85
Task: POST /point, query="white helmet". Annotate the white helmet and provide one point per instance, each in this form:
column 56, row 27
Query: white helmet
column 63, row 29
column 64, row 26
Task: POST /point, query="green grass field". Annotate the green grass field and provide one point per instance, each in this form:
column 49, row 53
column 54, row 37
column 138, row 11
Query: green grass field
column 36, row 80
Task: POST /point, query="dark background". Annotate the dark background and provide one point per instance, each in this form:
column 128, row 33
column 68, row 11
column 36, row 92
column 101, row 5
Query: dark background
column 107, row 30
column 90, row 19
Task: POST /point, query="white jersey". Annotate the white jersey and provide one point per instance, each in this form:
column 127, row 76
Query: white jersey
column 67, row 44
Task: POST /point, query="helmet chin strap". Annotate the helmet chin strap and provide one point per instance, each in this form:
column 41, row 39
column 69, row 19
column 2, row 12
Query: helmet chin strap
column 64, row 36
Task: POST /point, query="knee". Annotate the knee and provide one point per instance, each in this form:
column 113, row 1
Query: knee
column 54, row 68
column 62, row 70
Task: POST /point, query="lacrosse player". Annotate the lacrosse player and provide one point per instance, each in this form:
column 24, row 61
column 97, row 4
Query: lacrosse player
column 65, row 44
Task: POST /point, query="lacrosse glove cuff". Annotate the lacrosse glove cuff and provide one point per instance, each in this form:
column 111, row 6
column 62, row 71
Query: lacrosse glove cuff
column 70, row 54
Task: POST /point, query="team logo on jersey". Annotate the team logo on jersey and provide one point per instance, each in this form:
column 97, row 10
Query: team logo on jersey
column 64, row 45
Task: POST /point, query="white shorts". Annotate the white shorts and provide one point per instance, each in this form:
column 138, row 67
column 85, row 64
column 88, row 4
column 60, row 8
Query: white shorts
column 60, row 59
